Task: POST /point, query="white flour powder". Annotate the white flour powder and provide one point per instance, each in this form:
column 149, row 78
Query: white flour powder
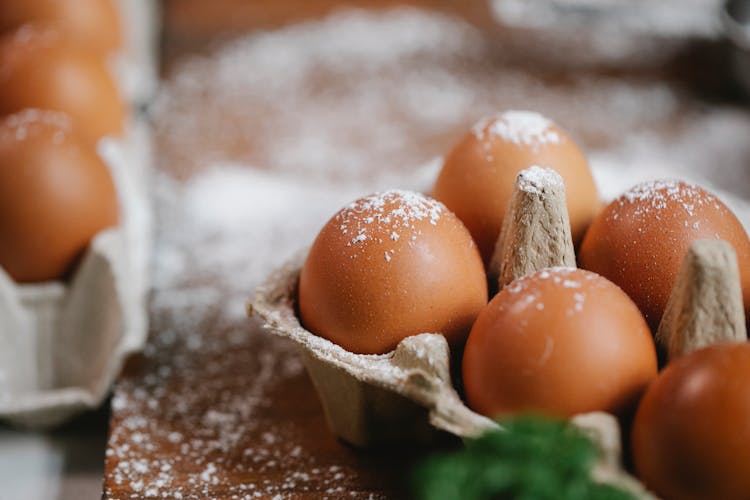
column 287, row 127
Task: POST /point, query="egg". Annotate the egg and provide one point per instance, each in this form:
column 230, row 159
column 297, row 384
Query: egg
column 55, row 195
column 93, row 24
column 388, row 266
column 561, row 341
column 38, row 69
column 692, row 429
column 639, row 240
column 478, row 175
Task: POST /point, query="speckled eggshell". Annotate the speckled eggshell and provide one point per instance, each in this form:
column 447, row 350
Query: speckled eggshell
column 691, row 432
column 56, row 194
column 561, row 341
column 639, row 240
column 39, row 69
column 388, row 266
column 92, row 24
column 479, row 174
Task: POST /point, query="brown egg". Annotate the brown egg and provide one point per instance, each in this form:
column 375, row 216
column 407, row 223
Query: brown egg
column 388, row 266
column 478, row 176
column 92, row 24
column 638, row 241
column 55, row 195
column 39, row 70
column 561, row 341
column 692, row 429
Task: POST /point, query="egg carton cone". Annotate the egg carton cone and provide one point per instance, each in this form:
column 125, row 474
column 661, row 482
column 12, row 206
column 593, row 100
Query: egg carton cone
column 536, row 229
column 705, row 306
column 370, row 400
column 136, row 66
column 65, row 342
column 407, row 394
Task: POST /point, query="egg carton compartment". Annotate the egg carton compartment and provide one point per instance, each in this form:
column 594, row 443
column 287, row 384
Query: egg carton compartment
column 375, row 400
column 66, row 341
column 367, row 398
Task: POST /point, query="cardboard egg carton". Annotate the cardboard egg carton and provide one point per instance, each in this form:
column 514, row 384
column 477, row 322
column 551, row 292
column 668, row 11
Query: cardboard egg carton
column 407, row 394
column 65, row 342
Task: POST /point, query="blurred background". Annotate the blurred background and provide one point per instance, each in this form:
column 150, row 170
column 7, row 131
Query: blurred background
column 393, row 84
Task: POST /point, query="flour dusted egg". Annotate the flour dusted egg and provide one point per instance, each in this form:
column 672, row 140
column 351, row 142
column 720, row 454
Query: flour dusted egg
column 561, row 341
column 56, row 194
column 478, row 176
column 39, row 69
column 388, row 266
column 639, row 240
column 92, row 24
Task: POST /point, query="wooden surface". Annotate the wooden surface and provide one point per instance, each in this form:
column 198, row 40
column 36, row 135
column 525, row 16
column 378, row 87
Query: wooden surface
column 215, row 408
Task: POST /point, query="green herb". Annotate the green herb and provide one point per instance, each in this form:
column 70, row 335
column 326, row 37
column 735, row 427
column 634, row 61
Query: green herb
column 530, row 458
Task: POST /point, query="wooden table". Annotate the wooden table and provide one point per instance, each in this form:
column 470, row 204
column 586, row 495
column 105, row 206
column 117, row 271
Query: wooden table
column 215, row 408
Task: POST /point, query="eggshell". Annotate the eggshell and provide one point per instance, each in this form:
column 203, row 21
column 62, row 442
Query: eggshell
column 55, row 195
column 38, row 69
column 692, row 429
column 561, row 341
column 639, row 240
column 92, row 24
column 478, row 176
column 388, row 266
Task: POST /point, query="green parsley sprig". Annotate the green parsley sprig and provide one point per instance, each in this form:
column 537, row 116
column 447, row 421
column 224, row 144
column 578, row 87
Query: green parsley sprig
column 530, row 458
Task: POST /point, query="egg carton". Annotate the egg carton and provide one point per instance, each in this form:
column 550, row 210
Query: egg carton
column 407, row 394
column 65, row 342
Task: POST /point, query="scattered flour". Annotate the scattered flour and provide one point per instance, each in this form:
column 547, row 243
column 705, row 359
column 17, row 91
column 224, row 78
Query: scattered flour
column 709, row 149
column 350, row 104
column 535, row 178
column 633, row 17
column 526, row 128
column 395, row 212
column 622, row 32
column 219, row 234
column 567, row 281
column 361, row 96
column 24, row 123
column 653, row 196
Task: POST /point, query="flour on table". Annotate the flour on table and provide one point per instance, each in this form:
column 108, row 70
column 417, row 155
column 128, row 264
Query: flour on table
column 620, row 32
column 352, row 104
column 360, row 96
